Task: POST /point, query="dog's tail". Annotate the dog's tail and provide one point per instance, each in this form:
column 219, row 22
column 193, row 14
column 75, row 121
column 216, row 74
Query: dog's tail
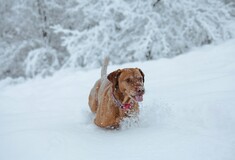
column 104, row 66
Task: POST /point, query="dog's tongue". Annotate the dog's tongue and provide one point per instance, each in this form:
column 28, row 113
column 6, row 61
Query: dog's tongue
column 139, row 98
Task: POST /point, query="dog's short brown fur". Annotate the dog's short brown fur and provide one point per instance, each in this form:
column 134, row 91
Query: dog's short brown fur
column 125, row 85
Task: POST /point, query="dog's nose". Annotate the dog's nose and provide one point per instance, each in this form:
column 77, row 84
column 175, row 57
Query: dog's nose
column 140, row 90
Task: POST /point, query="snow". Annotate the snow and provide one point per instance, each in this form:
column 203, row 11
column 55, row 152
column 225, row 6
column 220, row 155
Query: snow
column 43, row 37
column 188, row 113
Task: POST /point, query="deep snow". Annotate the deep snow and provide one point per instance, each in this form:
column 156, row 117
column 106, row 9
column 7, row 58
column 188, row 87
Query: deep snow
column 188, row 113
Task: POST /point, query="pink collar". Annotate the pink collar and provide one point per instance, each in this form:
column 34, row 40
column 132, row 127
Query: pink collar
column 125, row 106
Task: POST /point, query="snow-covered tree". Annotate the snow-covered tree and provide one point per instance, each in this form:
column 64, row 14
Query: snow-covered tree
column 40, row 37
column 25, row 29
column 142, row 30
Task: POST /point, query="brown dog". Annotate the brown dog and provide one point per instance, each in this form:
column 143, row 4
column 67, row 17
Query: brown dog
column 116, row 96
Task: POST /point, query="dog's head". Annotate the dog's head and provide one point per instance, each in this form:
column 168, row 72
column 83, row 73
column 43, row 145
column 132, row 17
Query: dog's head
column 129, row 81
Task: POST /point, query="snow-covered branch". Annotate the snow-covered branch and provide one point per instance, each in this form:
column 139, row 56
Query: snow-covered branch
column 41, row 37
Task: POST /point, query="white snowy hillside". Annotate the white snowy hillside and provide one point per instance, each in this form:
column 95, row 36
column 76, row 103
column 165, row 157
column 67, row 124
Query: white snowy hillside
column 188, row 113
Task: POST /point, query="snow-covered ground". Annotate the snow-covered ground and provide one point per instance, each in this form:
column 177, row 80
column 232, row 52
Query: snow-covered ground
column 188, row 113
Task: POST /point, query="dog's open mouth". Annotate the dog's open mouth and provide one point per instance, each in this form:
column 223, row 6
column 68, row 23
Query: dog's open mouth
column 139, row 98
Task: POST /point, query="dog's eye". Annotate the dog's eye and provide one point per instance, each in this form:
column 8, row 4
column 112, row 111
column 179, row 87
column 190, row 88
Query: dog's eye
column 128, row 80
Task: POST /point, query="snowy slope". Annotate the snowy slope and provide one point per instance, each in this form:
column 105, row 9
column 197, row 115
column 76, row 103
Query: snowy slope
column 188, row 113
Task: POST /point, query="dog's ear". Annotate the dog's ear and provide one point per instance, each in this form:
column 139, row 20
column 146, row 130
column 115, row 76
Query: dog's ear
column 142, row 73
column 113, row 77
